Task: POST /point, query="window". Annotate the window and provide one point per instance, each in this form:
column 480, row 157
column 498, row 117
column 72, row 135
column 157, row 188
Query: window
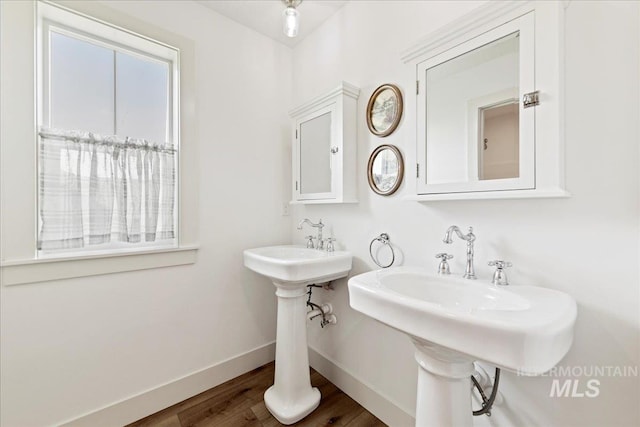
column 108, row 137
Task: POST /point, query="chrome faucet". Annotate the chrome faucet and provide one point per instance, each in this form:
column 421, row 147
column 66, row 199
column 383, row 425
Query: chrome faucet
column 469, row 272
column 319, row 225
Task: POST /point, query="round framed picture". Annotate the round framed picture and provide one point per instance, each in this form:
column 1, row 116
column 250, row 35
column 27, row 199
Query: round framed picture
column 384, row 110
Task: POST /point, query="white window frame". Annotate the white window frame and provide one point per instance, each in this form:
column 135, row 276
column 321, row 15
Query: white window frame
column 19, row 264
column 53, row 18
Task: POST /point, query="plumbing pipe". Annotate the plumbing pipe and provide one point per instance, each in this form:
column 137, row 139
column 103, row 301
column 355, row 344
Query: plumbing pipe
column 324, row 309
column 482, row 376
column 486, row 381
column 327, row 308
column 314, row 313
column 485, row 375
column 331, row 319
column 487, row 403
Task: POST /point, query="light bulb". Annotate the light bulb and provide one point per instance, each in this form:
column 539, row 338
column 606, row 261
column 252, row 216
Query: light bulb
column 290, row 21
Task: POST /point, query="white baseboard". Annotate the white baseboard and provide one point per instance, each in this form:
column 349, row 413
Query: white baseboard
column 151, row 401
column 379, row 405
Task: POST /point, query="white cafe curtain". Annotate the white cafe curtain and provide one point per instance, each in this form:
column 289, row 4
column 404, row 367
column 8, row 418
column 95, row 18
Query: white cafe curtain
column 96, row 189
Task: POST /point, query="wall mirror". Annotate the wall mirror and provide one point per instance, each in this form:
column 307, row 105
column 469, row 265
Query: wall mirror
column 489, row 104
column 477, row 136
column 324, row 147
column 315, row 154
column 385, row 170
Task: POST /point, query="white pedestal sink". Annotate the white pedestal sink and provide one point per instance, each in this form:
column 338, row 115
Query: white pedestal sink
column 454, row 322
column 291, row 269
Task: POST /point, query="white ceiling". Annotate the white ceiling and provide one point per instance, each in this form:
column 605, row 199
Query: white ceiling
column 265, row 16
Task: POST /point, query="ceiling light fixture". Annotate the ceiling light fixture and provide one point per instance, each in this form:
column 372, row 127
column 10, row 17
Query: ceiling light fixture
column 291, row 18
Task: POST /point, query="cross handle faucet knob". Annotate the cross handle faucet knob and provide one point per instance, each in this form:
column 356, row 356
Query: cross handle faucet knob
column 499, row 264
column 310, row 239
column 499, row 276
column 443, row 267
column 330, row 247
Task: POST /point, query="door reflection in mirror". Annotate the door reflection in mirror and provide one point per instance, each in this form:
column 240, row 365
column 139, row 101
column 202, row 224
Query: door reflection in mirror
column 499, row 148
column 467, row 99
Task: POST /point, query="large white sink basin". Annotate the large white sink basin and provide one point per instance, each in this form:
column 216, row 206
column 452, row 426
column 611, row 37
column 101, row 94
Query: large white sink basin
column 527, row 329
column 297, row 264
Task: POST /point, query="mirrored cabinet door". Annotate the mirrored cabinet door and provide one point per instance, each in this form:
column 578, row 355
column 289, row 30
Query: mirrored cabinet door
column 324, row 148
column 474, row 134
column 314, row 140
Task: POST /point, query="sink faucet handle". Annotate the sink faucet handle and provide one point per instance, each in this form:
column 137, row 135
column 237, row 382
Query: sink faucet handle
column 330, row 247
column 310, row 239
column 499, row 276
column 500, row 264
column 443, row 267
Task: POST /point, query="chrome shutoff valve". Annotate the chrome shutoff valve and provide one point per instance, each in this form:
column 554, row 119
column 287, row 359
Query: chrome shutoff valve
column 500, row 276
column 443, row 267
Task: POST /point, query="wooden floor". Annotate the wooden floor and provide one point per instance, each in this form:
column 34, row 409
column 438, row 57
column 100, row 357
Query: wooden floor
column 238, row 403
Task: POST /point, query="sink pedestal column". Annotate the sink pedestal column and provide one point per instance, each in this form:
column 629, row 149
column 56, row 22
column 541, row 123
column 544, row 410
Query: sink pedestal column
column 291, row 396
column 444, row 387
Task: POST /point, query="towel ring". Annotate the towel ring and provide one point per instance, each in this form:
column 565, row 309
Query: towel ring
column 384, row 239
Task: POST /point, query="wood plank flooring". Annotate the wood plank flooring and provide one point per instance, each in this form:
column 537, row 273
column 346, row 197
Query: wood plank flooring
column 239, row 403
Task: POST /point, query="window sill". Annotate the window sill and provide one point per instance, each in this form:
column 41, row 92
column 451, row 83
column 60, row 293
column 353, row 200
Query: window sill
column 18, row 272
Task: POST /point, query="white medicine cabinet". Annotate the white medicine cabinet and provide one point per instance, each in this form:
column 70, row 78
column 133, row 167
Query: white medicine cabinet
column 488, row 110
column 324, row 148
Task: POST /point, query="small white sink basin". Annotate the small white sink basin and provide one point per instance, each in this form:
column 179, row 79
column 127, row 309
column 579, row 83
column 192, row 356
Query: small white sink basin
column 521, row 328
column 291, row 268
column 297, row 264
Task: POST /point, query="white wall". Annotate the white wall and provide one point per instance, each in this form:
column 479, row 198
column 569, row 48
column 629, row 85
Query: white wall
column 586, row 245
column 73, row 346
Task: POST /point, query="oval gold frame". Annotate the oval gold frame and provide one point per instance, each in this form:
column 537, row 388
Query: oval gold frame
column 396, row 119
column 373, row 156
